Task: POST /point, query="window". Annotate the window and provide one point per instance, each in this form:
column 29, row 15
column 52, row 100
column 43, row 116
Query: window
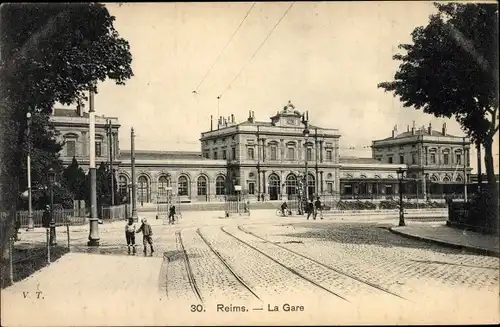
column 215, row 154
column 459, row 159
column 251, row 188
column 329, row 188
column 205, row 155
column 413, row 159
column 233, row 153
column 250, row 153
column 122, row 186
column 71, row 148
column 309, row 154
column 433, row 158
column 98, row 152
column 219, row 186
column 446, row 158
column 291, row 154
column 224, row 154
column 202, row 185
column 274, row 152
column 183, row 186
column 163, row 183
column 401, row 159
column 390, row 160
column 329, row 156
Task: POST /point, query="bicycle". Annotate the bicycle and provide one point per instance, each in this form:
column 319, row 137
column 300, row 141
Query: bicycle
column 280, row 213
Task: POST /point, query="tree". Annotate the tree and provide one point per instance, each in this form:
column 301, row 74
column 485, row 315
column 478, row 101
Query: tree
column 451, row 69
column 74, row 180
column 49, row 53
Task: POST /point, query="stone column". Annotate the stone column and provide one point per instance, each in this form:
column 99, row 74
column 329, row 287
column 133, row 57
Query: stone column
column 321, row 182
column 263, row 150
column 300, row 151
column 264, row 188
column 321, row 151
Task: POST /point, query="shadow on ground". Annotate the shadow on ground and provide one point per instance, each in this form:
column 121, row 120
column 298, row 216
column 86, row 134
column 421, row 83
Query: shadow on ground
column 364, row 233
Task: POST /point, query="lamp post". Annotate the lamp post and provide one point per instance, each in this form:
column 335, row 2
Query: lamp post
column 401, row 172
column 305, row 132
column 52, row 224
column 31, row 223
column 94, row 220
column 427, row 187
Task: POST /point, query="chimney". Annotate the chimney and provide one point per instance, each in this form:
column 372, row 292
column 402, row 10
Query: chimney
column 429, row 130
column 232, row 118
column 249, row 115
column 407, row 128
column 394, row 130
column 211, row 123
column 444, row 129
column 79, row 108
column 413, row 129
column 396, row 127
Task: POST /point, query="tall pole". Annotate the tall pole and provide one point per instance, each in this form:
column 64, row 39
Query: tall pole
column 94, row 224
column 31, row 223
column 110, row 126
column 465, row 172
column 401, row 209
column 52, row 225
column 132, row 162
column 479, row 172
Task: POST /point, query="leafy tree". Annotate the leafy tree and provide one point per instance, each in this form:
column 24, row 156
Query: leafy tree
column 74, row 180
column 451, row 69
column 49, row 53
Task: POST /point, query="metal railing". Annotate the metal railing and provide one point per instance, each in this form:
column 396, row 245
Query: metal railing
column 119, row 212
column 61, row 216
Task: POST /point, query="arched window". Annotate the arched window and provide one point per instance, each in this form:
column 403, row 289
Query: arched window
column 183, row 186
column 459, row 178
column 434, row 178
column 311, row 183
column 219, row 186
column 202, row 185
column 143, row 190
column 163, row 183
column 446, row 179
column 291, row 184
column 122, row 186
column 274, row 187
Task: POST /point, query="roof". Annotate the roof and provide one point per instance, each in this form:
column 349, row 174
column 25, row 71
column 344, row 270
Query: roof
column 162, row 155
column 68, row 113
column 418, row 132
column 356, row 160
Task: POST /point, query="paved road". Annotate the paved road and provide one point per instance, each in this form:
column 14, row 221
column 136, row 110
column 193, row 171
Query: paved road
column 236, row 270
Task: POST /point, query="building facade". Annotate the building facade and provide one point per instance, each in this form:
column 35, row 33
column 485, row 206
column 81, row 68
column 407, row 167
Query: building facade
column 434, row 158
column 264, row 160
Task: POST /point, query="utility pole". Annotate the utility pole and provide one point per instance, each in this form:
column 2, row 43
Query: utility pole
column 94, row 223
column 111, row 167
column 31, row 223
column 479, row 172
column 465, row 170
column 132, row 162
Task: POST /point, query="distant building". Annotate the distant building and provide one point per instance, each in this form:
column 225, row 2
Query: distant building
column 267, row 159
column 434, row 158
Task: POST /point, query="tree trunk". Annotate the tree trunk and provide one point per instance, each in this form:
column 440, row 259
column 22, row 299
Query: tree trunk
column 492, row 183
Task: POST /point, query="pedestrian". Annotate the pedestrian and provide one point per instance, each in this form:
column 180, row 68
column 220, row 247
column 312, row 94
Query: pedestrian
column 46, row 217
column 17, row 226
column 171, row 215
column 130, row 234
column 317, row 205
column 310, row 209
column 147, row 235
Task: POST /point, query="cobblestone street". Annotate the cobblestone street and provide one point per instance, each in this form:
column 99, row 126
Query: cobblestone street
column 241, row 270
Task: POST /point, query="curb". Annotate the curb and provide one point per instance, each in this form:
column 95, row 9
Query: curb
column 472, row 249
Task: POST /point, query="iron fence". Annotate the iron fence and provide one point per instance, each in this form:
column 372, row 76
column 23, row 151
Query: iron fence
column 119, row 212
column 61, row 217
column 236, row 204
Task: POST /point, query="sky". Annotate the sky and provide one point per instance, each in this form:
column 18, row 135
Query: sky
column 324, row 57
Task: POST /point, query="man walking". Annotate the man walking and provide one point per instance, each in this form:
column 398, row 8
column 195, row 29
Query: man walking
column 171, row 215
column 310, row 209
column 147, row 235
column 317, row 205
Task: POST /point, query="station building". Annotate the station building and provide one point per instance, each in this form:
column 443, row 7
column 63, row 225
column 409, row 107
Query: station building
column 266, row 160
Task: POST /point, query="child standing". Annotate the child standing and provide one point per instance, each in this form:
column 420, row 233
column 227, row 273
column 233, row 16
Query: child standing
column 147, row 235
column 130, row 234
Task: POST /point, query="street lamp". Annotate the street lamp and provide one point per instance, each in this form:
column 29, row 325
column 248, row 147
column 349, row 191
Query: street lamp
column 306, row 133
column 400, row 173
column 31, row 223
column 52, row 225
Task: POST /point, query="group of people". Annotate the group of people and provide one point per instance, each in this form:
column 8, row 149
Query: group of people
column 147, row 235
column 310, row 207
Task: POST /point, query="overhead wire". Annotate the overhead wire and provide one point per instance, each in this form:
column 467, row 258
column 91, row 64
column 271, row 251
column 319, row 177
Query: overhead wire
column 220, row 54
column 260, row 46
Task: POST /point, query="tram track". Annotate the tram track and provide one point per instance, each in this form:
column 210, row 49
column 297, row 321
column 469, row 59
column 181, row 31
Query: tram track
column 289, row 269
column 336, row 270
column 227, row 265
column 189, row 270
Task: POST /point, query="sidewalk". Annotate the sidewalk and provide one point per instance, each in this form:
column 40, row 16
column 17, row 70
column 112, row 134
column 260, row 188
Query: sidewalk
column 452, row 237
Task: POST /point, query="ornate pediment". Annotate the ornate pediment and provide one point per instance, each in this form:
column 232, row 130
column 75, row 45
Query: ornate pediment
column 288, row 116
